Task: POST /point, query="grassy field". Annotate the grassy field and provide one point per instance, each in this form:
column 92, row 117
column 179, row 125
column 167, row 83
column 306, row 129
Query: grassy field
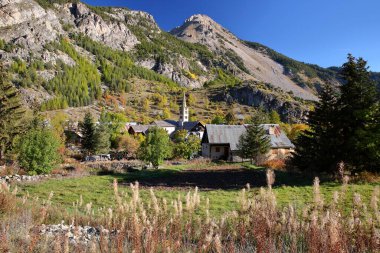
column 220, row 184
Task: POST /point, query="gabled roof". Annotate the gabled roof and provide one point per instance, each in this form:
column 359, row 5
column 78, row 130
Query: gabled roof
column 230, row 134
column 172, row 123
column 140, row 128
column 225, row 134
column 165, row 123
column 191, row 125
column 278, row 138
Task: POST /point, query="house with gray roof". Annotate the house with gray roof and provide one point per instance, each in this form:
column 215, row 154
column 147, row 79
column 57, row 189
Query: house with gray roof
column 220, row 142
column 171, row 126
column 138, row 129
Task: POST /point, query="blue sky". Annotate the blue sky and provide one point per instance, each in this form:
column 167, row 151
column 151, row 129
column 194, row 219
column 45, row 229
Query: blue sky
column 314, row 31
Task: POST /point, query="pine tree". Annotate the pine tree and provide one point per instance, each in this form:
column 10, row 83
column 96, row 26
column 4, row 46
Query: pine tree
column 12, row 113
column 254, row 143
column 343, row 128
column 359, row 117
column 102, row 141
column 87, row 128
column 316, row 148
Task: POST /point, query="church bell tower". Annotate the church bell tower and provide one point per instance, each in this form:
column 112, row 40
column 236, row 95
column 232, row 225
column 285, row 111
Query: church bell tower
column 184, row 111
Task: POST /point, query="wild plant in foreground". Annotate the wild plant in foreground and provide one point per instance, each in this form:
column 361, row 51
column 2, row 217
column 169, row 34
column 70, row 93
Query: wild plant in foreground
column 185, row 224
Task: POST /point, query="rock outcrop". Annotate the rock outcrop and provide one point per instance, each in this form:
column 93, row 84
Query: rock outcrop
column 113, row 34
column 28, row 25
column 249, row 94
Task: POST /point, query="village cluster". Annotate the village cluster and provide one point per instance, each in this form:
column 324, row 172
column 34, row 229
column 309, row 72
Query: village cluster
column 218, row 142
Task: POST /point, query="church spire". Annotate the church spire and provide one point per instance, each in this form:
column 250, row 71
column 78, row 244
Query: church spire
column 184, row 111
column 184, row 100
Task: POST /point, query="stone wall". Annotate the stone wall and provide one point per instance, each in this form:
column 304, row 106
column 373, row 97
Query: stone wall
column 22, row 178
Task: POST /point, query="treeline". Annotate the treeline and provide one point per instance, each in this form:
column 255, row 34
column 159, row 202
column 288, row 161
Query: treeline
column 79, row 85
column 54, row 104
column 164, row 47
column 117, row 66
column 161, row 44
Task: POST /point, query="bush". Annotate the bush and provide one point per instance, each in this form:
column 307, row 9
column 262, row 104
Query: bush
column 156, row 147
column 39, row 151
column 278, row 164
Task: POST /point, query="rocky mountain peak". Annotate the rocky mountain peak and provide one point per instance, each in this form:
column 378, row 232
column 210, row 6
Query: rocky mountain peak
column 202, row 29
column 201, row 19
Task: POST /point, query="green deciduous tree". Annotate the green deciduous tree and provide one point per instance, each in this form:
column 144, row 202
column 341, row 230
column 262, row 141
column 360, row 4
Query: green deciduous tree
column 254, row 143
column 115, row 123
column 156, row 147
column 12, row 113
column 274, row 117
column 39, row 151
column 218, row 119
column 185, row 146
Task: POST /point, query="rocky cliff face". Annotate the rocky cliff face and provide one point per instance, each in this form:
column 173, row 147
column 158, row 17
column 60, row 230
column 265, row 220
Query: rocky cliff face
column 26, row 24
column 249, row 94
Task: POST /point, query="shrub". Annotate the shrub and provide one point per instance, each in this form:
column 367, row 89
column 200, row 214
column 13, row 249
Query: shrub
column 39, row 151
column 274, row 164
column 156, row 147
column 129, row 144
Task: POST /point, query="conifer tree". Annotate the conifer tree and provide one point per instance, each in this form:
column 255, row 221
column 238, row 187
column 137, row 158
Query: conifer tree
column 87, row 128
column 254, row 143
column 359, row 117
column 102, row 141
column 343, row 128
column 12, row 113
column 316, row 147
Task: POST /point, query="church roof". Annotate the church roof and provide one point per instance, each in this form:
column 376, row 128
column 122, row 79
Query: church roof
column 165, row 123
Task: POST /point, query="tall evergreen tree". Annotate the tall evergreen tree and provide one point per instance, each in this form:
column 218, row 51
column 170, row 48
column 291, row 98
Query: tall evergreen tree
column 12, row 113
column 254, row 143
column 316, row 147
column 359, row 117
column 87, row 128
column 344, row 128
column 102, row 142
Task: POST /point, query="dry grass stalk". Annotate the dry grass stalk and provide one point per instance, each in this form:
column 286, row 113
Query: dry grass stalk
column 154, row 225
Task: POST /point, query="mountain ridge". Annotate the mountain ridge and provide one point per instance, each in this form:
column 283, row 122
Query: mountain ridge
column 45, row 42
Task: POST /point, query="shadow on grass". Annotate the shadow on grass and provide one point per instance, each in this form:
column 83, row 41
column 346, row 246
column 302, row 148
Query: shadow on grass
column 226, row 179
